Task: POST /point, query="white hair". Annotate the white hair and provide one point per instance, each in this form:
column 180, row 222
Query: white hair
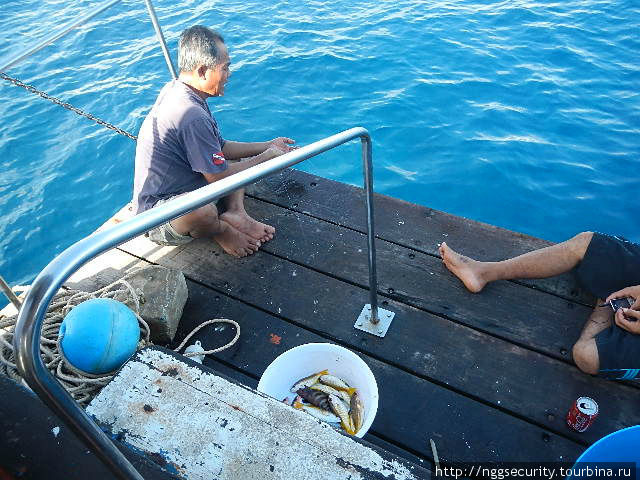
column 198, row 45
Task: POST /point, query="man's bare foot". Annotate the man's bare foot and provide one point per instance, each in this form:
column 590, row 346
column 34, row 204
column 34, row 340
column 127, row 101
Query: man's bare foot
column 234, row 242
column 465, row 268
column 245, row 224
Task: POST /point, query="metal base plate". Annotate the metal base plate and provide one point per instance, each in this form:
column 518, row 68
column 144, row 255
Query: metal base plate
column 380, row 329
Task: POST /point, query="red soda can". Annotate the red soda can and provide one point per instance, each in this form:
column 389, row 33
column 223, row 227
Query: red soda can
column 582, row 414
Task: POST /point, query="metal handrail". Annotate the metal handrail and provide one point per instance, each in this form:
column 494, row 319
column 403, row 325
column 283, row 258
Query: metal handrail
column 52, row 38
column 29, row 324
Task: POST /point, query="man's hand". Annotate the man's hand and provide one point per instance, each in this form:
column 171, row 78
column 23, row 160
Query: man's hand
column 633, row 292
column 238, row 166
column 274, row 151
column 282, row 143
column 628, row 319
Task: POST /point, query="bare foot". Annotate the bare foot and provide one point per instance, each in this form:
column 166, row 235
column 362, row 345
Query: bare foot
column 244, row 223
column 465, row 268
column 234, row 242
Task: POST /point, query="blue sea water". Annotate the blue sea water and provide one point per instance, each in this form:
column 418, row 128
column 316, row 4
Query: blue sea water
column 522, row 114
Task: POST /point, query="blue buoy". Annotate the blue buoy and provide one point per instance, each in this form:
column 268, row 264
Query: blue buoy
column 99, row 335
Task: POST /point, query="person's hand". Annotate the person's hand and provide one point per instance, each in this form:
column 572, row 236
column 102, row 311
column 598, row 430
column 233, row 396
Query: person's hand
column 275, row 151
column 628, row 319
column 633, row 292
column 283, row 143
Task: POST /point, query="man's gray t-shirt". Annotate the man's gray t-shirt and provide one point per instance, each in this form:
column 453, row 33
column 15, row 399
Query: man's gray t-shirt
column 178, row 142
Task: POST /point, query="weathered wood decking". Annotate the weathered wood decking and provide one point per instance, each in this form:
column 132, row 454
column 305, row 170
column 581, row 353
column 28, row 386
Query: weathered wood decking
column 489, row 377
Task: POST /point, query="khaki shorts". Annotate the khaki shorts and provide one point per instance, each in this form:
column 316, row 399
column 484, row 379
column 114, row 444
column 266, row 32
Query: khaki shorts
column 165, row 234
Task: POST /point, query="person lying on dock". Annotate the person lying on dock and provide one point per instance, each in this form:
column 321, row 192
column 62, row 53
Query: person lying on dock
column 180, row 149
column 608, row 267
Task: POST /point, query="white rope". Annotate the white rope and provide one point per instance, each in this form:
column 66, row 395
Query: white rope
column 81, row 385
column 204, row 324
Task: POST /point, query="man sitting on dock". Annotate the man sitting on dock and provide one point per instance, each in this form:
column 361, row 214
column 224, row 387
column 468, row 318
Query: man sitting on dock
column 180, row 149
column 608, row 267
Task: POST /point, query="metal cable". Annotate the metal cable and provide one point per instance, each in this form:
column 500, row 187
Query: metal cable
column 68, row 106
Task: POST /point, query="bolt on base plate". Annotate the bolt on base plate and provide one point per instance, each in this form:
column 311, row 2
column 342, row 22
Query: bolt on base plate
column 379, row 329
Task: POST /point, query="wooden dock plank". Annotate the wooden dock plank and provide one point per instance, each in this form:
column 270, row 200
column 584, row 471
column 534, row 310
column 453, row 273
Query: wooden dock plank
column 444, row 351
column 415, row 226
column 447, row 416
column 504, row 309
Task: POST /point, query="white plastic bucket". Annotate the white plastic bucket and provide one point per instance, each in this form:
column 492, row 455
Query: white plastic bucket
column 304, row 360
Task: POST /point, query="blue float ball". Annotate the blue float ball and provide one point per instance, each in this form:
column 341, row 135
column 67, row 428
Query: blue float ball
column 99, row 335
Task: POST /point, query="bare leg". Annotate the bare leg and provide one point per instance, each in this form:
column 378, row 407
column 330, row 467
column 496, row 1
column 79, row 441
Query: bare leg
column 238, row 217
column 204, row 223
column 585, row 351
column 542, row 263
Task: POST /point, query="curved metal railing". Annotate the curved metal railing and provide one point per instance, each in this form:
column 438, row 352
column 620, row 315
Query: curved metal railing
column 47, row 283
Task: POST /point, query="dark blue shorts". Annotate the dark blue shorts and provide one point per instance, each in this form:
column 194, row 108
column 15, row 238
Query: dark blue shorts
column 611, row 264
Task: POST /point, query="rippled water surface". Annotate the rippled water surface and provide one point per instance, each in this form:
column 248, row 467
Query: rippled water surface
column 521, row 114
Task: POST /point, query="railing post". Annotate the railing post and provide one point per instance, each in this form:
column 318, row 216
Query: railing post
column 367, row 169
column 372, row 319
column 163, row 44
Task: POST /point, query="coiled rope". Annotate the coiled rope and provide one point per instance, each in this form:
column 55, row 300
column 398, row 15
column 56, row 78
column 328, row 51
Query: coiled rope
column 81, row 385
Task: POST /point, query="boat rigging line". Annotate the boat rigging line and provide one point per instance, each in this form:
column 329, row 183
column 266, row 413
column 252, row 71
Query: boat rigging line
column 6, row 289
column 68, row 106
column 55, row 36
column 64, row 31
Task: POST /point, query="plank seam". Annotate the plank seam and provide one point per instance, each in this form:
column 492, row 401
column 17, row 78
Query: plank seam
column 439, row 383
column 423, row 309
column 409, row 247
column 632, row 387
